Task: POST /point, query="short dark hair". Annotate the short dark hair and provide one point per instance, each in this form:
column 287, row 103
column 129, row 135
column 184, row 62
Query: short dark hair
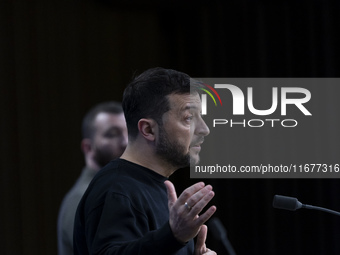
column 87, row 127
column 146, row 95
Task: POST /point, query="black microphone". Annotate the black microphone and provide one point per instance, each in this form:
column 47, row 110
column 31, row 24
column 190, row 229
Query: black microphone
column 292, row 204
column 287, row 203
column 219, row 232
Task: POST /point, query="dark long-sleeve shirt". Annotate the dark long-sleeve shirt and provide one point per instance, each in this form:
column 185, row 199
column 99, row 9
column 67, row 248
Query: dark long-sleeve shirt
column 125, row 211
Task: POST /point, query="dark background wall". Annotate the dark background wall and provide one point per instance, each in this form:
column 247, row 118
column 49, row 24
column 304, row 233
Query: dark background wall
column 59, row 58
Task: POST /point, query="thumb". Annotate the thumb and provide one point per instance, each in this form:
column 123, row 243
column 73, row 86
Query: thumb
column 172, row 196
column 200, row 242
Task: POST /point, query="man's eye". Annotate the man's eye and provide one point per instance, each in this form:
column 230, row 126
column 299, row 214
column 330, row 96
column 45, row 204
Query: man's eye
column 189, row 118
column 111, row 135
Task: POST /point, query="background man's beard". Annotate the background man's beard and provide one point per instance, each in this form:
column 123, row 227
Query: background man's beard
column 102, row 158
column 171, row 151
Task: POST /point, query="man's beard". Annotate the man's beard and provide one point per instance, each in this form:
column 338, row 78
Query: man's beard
column 172, row 151
column 102, row 157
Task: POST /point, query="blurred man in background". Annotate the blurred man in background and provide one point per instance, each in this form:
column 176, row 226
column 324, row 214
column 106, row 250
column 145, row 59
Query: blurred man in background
column 104, row 138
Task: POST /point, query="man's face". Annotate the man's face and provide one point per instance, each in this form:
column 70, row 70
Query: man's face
column 110, row 138
column 183, row 131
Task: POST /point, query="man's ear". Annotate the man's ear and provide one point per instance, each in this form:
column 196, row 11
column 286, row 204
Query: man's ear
column 147, row 128
column 86, row 145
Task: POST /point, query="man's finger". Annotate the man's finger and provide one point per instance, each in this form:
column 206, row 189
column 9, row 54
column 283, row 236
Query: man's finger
column 187, row 193
column 198, row 207
column 206, row 216
column 172, row 196
column 195, row 198
column 201, row 237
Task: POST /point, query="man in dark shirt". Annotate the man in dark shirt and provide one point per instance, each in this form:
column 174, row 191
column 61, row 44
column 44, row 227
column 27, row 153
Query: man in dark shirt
column 130, row 207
